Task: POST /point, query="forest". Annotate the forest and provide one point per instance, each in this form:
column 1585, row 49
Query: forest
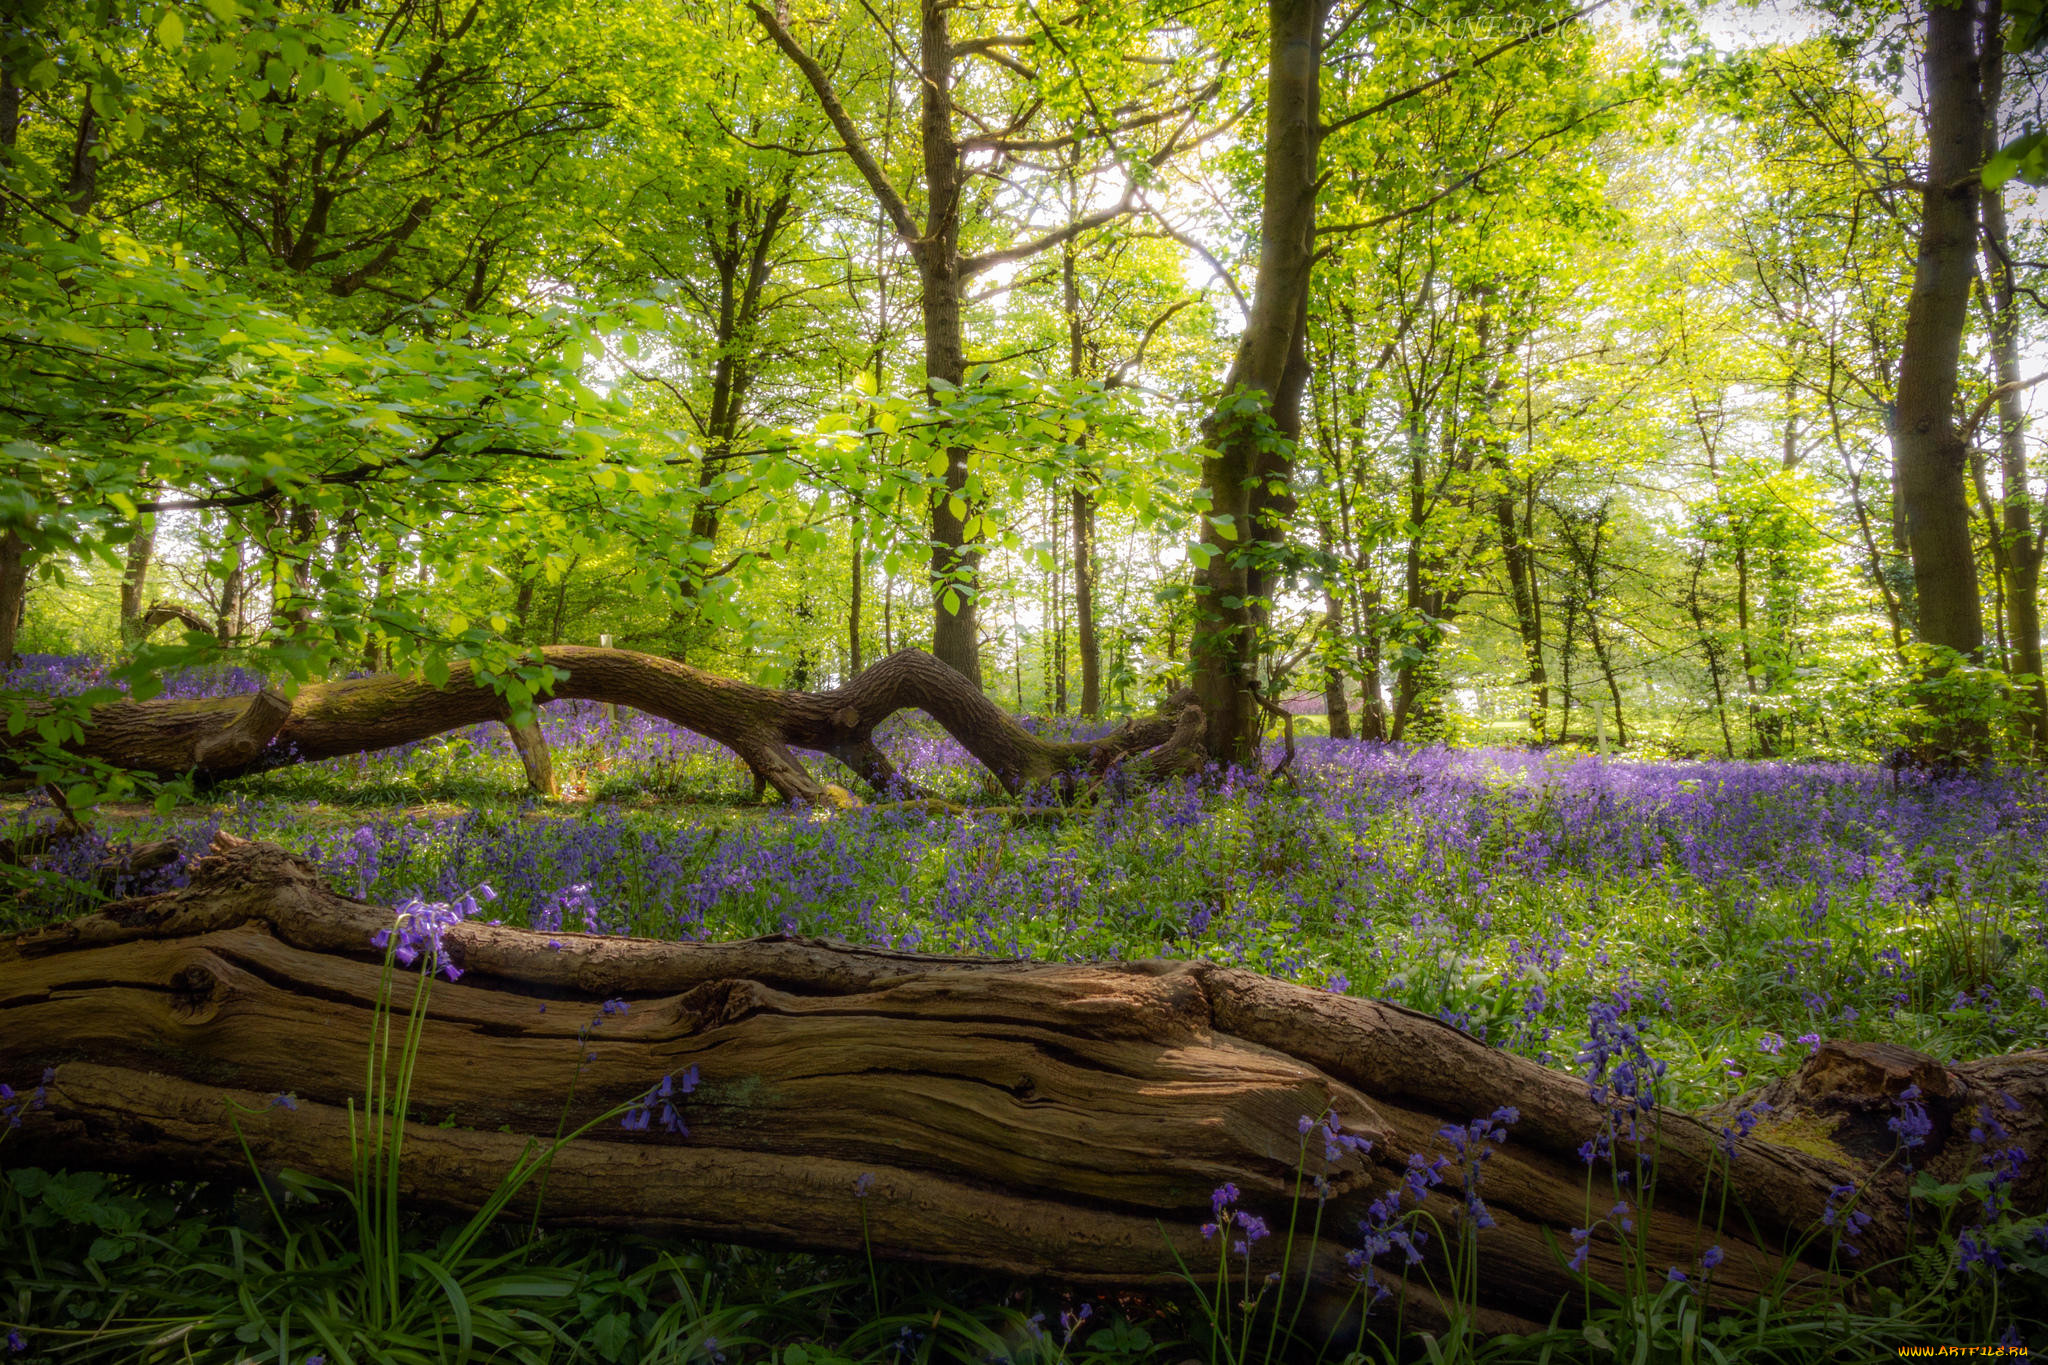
column 1189, row 681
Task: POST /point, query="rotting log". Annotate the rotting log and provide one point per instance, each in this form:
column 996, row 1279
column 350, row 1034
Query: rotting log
column 217, row 739
column 1055, row 1120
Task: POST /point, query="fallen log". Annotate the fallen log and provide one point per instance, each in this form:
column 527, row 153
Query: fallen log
column 1054, row 1120
column 218, row 739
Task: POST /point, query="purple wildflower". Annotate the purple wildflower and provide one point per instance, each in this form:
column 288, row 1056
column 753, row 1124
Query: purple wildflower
column 660, row 1102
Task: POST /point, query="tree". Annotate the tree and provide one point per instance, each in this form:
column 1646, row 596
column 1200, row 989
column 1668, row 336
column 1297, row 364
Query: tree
column 1251, row 432
column 935, row 245
column 1930, row 449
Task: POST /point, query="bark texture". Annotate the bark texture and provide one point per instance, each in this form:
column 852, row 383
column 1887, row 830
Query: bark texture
column 217, row 739
column 1930, row 449
column 1059, row 1120
column 161, row 614
column 2016, row 538
column 1252, row 433
column 14, row 567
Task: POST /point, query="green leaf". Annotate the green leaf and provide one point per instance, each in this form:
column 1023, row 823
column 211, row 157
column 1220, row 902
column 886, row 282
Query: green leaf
column 611, row 1336
column 2024, row 158
column 170, row 30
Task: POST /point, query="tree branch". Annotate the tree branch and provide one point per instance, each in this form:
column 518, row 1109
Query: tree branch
column 1990, row 401
column 856, row 149
column 1472, row 177
column 970, row 266
column 1404, row 96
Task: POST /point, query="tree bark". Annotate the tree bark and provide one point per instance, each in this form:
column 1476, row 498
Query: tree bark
column 227, row 625
column 1252, row 432
column 1931, row 452
column 161, row 614
column 233, row 736
column 135, row 575
column 1518, row 556
column 2018, row 538
column 1066, row 1121
column 1084, row 602
column 857, row 572
column 956, row 633
column 532, row 747
column 1082, row 497
column 1335, row 704
column 14, row 566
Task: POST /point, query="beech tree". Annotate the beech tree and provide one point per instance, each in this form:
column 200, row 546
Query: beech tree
column 944, row 271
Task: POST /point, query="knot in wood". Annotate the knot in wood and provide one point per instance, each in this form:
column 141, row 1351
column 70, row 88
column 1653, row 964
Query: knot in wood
column 194, row 990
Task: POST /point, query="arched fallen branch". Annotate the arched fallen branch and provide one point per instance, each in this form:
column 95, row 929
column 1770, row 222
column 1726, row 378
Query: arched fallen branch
column 1058, row 1120
column 161, row 614
column 230, row 736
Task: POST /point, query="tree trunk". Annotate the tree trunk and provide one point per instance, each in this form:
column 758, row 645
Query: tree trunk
column 1084, row 603
column 1930, row 450
column 227, row 624
column 857, row 573
column 14, row 566
column 1601, row 657
column 2016, row 533
column 291, row 565
column 1519, row 558
column 1372, row 702
column 532, row 747
column 135, row 575
column 956, row 560
column 1334, row 702
column 522, row 604
column 1083, row 494
column 232, row 736
column 1709, row 646
column 1252, row 431
column 1066, row 1121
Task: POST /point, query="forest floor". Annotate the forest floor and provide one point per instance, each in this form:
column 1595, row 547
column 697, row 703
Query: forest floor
column 1738, row 913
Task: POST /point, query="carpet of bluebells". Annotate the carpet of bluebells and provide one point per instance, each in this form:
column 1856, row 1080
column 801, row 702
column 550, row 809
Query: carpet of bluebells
column 1703, row 924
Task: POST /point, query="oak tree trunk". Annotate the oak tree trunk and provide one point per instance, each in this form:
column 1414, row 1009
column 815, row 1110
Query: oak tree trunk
column 1057, row 1120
